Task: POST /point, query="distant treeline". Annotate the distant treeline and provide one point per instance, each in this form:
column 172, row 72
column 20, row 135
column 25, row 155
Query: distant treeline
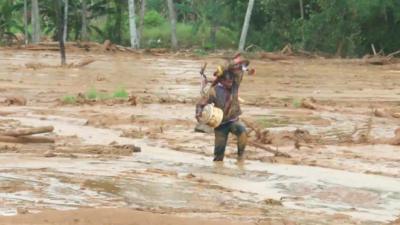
column 336, row 27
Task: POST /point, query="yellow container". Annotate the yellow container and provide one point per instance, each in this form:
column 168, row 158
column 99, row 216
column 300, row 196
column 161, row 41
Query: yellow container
column 212, row 116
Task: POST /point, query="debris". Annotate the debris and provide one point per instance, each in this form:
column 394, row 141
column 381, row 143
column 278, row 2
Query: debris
column 269, row 149
column 107, row 45
column 16, row 100
column 23, row 135
column 132, row 100
column 270, row 201
column 49, row 154
column 275, row 56
column 396, row 115
column 82, row 63
column 27, row 131
column 380, row 113
column 308, row 103
column 26, row 139
column 22, row 210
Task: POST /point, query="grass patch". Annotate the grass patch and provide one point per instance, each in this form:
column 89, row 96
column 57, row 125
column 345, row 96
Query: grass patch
column 69, row 99
column 120, row 93
column 92, row 94
column 296, row 103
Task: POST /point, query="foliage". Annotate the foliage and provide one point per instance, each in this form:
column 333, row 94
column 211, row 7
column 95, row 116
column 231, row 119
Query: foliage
column 69, row 99
column 92, row 94
column 121, row 93
column 153, row 19
column 337, row 27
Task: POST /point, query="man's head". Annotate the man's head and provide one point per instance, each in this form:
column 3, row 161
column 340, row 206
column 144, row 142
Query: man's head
column 227, row 79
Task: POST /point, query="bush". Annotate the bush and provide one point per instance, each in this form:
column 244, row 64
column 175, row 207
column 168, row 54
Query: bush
column 91, row 94
column 69, row 99
column 153, row 19
column 121, row 93
column 160, row 37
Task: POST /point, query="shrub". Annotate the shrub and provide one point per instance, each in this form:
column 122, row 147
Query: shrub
column 91, row 94
column 69, row 99
column 153, row 19
column 121, row 93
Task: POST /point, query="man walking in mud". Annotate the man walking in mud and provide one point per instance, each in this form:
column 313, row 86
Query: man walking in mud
column 224, row 95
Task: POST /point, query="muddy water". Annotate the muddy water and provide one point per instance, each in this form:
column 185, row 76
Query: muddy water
column 158, row 178
column 163, row 180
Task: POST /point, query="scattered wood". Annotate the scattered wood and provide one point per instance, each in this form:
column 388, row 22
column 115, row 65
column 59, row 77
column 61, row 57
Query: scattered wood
column 275, row 56
column 377, row 60
column 391, row 55
column 15, row 100
column 396, row 115
column 27, row 131
column 380, row 59
column 82, row 63
column 309, row 103
column 26, row 139
column 23, row 136
column 269, row 149
column 287, row 50
column 107, row 45
column 379, row 113
column 373, row 49
column 79, row 64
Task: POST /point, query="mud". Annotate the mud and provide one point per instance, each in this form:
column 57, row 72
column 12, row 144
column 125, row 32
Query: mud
column 143, row 153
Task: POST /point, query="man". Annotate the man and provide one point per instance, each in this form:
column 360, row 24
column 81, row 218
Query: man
column 224, row 95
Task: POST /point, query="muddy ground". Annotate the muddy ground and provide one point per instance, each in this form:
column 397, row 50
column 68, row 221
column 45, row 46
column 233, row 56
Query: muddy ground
column 335, row 118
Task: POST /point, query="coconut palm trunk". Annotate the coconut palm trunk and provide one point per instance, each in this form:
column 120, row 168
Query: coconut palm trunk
column 84, row 34
column 35, row 22
column 246, row 23
column 132, row 24
column 172, row 18
column 141, row 19
column 26, row 21
column 65, row 28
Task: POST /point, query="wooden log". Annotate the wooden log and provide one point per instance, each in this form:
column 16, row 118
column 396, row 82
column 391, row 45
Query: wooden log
column 391, row 55
column 26, row 139
column 84, row 63
column 27, row 131
column 268, row 149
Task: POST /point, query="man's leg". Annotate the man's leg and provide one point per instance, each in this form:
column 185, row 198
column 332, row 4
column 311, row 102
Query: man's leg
column 238, row 129
column 221, row 138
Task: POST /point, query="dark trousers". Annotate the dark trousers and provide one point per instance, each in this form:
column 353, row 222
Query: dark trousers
column 221, row 138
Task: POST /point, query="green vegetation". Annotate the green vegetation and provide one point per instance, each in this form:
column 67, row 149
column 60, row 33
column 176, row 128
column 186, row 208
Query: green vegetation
column 121, row 93
column 296, row 103
column 344, row 28
column 94, row 95
column 69, row 99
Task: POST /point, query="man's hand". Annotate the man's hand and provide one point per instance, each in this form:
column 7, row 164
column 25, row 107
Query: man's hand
column 198, row 116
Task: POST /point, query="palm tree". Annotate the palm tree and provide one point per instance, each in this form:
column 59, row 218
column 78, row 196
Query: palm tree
column 132, row 24
column 172, row 17
column 246, row 23
column 35, row 22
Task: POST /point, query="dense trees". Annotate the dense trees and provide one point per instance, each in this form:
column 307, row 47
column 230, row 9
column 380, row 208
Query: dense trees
column 336, row 27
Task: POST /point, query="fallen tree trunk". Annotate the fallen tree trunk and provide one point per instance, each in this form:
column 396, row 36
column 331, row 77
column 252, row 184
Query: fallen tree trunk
column 268, row 149
column 27, row 131
column 26, row 139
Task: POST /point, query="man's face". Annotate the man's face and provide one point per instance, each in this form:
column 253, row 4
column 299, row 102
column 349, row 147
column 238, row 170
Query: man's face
column 227, row 83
